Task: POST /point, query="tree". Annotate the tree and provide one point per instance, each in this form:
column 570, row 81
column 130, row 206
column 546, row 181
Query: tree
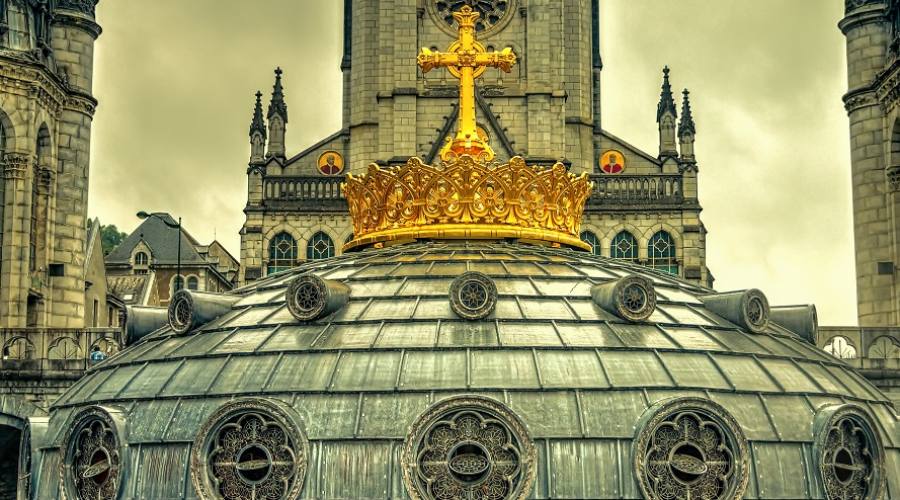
column 110, row 236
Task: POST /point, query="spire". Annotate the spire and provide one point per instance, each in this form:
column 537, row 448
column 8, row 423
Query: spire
column 278, row 118
column 277, row 104
column 687, row 118
column 666, row 100
column 666, row 117
column 258, row 124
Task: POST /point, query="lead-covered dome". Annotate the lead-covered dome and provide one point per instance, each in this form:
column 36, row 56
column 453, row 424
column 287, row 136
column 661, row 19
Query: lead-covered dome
column 472, row 370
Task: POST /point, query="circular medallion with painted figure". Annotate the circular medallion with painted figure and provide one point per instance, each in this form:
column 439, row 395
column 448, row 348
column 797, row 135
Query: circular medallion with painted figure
column 612, row 162
column 331, row 163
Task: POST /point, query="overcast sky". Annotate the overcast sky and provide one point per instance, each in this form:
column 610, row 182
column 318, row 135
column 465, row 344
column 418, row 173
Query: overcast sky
column 176, row 78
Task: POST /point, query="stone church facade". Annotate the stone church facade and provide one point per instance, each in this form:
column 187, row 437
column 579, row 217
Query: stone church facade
column 46, row 109
column 646, row 212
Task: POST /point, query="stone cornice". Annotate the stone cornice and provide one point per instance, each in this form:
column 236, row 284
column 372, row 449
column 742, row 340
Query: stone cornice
column 34, row 80
column 860, row 12
column 81, row 103
column 888, row 86
column 860, row 98
column 77, row 18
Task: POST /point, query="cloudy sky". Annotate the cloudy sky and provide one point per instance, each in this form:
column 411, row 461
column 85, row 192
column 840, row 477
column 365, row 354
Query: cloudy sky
column 176, row 79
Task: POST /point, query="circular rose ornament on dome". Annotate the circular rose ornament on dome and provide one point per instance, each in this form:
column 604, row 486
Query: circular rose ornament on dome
column 250, row 448
column 690, row 448
column 91, row 456
column 850, row 453
column 469, row 447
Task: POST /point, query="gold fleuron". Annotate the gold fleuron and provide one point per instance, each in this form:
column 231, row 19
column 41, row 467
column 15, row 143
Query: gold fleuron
column 466, row 198
column 466, row 59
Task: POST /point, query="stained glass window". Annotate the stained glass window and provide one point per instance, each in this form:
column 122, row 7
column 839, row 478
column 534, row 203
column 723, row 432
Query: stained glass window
column 624, row 246
column 282, row 253
column 591, row 239
column 320, row 247
column 661, row 251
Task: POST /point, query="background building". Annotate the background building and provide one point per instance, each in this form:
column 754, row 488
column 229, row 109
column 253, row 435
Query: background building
column 142, row 270
column 644, row 210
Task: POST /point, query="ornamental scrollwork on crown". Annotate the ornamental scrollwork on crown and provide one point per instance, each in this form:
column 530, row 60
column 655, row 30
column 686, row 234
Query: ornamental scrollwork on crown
column 465, row 191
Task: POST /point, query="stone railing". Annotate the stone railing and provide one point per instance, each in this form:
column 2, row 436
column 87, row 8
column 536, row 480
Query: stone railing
column 609, row 191
column 636, row 189
column 53, row 352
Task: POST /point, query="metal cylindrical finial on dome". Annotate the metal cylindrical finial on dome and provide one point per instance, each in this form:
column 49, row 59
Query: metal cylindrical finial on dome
column 746, row 308
column 632, row 297
column 189, row 309
column 310, row 297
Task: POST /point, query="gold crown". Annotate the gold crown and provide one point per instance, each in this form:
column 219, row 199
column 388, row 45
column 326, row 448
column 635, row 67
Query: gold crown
column 466, row 198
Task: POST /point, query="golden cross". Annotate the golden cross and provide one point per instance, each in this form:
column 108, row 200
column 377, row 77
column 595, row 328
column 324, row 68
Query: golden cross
column 466, row 59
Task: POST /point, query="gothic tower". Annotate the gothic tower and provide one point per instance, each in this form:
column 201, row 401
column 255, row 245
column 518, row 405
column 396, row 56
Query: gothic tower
column 46, row 110
column 874, row 161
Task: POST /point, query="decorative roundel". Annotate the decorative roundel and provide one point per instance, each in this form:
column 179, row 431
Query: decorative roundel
column 249, row 448
column 635, row 298
column 850, row 453
column 469, row 447
column 495, row 14
column 92, row 461
column 306, row 297
column 181, row 311
column 690, row 448
column 473, row 295
column 612, row 162
column 756, row 310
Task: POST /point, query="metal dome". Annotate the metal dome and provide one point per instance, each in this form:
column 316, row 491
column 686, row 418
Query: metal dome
column 389, row 386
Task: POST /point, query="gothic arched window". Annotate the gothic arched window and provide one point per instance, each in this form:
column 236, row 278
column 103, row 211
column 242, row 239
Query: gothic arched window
column 19, row 20
column 320, row 247
column 624, row 246
column 141, row 259
column 282, row 253
column 661, row 251
column 591, row 239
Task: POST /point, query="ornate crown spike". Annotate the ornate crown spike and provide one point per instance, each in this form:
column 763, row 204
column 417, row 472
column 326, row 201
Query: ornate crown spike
column 466, row 198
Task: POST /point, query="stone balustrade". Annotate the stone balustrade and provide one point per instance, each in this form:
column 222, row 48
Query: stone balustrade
column 609, row 191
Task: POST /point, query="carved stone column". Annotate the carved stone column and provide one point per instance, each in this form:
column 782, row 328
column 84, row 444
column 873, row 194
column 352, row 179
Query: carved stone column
column 14, row 255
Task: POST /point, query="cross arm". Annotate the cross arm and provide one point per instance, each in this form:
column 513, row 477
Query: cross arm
column 504, row 59
column 429, row 60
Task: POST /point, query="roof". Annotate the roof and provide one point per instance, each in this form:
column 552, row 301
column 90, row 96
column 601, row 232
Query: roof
column 578, row 376
column 162, row 240
column 132, row 289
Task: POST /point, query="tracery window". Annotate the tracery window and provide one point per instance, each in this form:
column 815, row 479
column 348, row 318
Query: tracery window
column 92, row 462
column 18, row 348
column 19, row 19
column 850, row 453
column 249, row 448
column 591, row 239
column 691, row 448
column 282, row 253
column 64, row 348
column 624, row 246
column 494, row 14
column 320, row 247
column 469, row 447
column 841, row 348
column 661, row 252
